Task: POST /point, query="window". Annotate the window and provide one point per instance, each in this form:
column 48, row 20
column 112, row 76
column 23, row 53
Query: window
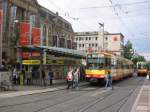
column 96, row 44
column 95, row 38
column 77, row 39
column 89, row 38
column 89, row 45
column 79, row 45
column 93, row 45
column 82, row 45
column 86, row 38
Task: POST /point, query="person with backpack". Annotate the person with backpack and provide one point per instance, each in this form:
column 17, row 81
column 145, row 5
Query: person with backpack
column 50, row 77
column 109, row 80
column 43, row 77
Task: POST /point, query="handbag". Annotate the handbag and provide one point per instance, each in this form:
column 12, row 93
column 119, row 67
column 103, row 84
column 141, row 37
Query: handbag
column 147, row 77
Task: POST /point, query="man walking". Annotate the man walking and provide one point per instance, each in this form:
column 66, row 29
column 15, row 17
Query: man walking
column 43, row 77
column 50, row 77
column 109, row 80
column 76, row 78
column 70, row 79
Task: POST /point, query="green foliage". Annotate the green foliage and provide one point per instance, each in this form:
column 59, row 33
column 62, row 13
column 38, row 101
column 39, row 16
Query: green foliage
column 128, row 50
column 138, row 59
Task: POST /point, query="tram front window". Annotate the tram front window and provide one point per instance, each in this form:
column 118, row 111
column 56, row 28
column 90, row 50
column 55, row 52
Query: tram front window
column 95, row 63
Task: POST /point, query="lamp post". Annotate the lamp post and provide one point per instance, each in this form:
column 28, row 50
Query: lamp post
column 1, row 35
column 102, row 31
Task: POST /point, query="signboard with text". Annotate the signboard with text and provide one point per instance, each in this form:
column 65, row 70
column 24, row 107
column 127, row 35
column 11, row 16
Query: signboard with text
column 24, row 34
column 36, row 36
column 31, row 62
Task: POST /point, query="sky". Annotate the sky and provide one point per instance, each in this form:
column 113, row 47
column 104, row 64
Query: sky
column 129, row 17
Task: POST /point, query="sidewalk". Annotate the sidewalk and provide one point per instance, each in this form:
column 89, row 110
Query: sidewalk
column 142, row 103
column 29, row 90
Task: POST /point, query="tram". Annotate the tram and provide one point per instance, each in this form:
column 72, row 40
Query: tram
column 98, row 65
column 142, row 68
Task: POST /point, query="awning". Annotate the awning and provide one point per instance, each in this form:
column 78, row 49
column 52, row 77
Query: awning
column 66, row 51
column 56, row 50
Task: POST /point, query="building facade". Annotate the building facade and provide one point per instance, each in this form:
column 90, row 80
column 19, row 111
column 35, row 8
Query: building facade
column 87, row 40
column 14, row 12
column 95, row 42
column 54, row 30
column 114, row 43
column 28, row 28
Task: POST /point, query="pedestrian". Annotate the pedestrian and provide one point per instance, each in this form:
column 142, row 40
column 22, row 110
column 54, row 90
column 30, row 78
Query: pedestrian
column 14, row 76
column 29, row 75
column 22, row 77
column 135, row 73
column 70, row 79
column 50, row 77
column 43, row 77
column 148, row 75
column 76, row 78
column 109, row 80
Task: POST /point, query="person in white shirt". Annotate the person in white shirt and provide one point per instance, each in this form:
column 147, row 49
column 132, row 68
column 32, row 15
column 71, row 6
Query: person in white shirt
column 76, row 78
column 70, row 79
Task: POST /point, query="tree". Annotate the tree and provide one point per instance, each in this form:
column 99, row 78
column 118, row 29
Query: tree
column 128, row 50
column 137, row 59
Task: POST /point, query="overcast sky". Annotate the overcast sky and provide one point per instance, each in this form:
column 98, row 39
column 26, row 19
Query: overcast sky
column 129, row 17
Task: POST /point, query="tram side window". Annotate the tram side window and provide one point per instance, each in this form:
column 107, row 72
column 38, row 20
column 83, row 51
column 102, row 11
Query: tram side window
column 108, row 63
column 139, row 66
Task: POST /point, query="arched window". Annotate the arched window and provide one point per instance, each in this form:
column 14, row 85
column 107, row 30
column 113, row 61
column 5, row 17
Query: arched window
column 50, row 37
column 44, row 36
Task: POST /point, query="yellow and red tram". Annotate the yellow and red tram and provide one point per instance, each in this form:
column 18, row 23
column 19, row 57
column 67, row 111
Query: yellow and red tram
column 142, row 68
column 98, row 64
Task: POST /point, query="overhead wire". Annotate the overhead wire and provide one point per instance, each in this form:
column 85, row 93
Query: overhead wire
column 137, row 27
column 117, row 14
column 66, row 14
column 122, row 21
column 117, row 5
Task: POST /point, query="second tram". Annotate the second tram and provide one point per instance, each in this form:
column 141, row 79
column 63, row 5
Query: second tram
column 142, row 68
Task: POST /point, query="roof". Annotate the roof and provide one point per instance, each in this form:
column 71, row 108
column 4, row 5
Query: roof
column 57, row 50
column 71, row 52
column 115, row 34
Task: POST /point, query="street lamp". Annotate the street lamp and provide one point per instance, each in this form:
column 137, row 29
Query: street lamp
column 102, row 26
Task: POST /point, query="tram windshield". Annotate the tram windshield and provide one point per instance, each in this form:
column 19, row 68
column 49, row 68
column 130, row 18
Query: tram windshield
column 98, row 62
column 142, row 66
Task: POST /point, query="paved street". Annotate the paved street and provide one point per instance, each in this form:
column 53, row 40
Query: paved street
column 86, row 99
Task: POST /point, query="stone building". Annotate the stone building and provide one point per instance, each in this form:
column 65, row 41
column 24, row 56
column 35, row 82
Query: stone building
column 14, row 12
column 55, row 31
column 94, row 42
column 115, row 43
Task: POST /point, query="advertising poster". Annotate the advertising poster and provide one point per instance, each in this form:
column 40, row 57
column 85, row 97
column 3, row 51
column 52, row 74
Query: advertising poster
column 36, row 36
column 24, row 33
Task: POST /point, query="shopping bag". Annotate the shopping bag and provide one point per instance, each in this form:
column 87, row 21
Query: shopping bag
column 147, row 77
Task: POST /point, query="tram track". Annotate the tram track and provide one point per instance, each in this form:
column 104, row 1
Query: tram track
column 67, row 96
column 66, row 100
column 51, row 97
column 124, row 99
